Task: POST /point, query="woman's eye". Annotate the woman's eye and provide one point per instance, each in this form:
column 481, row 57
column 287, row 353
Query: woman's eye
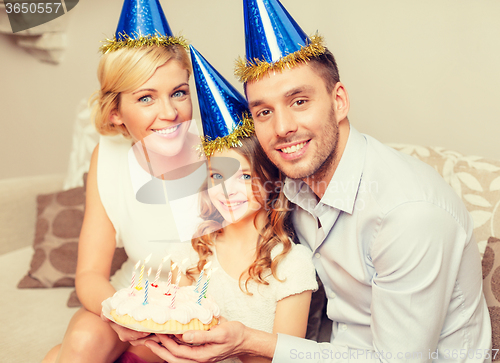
column 246, row 177
column 179, row 94
column 145, row 99
column 216, row 176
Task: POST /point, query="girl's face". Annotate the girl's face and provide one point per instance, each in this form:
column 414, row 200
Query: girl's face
column 157, row 111
column 230, row 187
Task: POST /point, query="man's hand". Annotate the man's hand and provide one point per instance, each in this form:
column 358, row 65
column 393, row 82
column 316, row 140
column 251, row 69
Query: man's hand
column 221, row 342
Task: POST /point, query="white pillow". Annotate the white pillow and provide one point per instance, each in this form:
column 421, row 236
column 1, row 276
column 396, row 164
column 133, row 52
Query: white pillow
column 85, row 139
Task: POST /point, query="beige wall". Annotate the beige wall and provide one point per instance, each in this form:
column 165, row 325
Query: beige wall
column 423, row 72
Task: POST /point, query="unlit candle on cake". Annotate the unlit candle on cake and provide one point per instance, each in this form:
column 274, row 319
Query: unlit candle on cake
column 146, row 289
column 133, row 274
column 158, row 272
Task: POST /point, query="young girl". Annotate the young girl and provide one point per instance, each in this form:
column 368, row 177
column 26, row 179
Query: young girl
column 258, row 275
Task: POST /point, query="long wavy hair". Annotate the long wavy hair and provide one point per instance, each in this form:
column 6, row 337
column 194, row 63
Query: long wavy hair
column 275, row 231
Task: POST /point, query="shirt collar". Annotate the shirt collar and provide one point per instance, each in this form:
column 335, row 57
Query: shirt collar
column 343, row 187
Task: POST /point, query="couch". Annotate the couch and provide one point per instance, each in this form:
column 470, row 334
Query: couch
column 34, row 320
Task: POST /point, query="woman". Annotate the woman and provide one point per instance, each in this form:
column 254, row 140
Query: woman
column 145, row 102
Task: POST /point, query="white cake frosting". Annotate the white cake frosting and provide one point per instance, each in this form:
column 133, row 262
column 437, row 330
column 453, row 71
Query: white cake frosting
column 130, row 301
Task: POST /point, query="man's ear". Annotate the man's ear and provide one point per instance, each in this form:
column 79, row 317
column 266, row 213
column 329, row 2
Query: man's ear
column 341, row 101
column 115, row 117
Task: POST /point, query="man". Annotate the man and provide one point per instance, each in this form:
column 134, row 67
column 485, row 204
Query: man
column 392, row 242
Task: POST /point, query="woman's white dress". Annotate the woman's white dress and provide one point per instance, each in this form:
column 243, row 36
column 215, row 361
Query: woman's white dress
column 143, row 228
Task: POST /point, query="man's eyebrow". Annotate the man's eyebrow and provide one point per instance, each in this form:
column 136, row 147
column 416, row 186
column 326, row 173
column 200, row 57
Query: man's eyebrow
column 255, row 103
column 297, row 90
column 288, row 94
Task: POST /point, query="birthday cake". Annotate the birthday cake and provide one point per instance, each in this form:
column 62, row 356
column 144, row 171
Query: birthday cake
column 164, row 308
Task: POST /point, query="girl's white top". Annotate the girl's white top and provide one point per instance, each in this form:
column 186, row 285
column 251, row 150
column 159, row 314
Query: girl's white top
column 258, row 310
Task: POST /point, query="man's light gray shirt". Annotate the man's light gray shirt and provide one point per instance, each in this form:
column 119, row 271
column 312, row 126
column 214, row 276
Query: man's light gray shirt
column 393, row 246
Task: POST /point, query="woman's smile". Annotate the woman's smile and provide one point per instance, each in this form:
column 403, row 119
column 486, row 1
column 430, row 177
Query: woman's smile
column 168, row 132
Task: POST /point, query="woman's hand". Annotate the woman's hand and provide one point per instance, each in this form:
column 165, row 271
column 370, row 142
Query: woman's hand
column 228, row 339
column 128, row 335
column 211, row 346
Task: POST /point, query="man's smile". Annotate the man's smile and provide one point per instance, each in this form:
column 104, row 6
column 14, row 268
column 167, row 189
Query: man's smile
column 293, row 148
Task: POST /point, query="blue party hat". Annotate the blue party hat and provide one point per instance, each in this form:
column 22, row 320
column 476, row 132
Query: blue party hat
column 224, row 111
column 274, row 40
column 142, row 23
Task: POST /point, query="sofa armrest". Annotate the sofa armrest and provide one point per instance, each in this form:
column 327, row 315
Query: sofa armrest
column 18, row 208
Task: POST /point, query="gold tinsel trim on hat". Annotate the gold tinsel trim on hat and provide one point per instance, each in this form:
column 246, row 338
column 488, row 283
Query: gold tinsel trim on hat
column 244, row 129
column 139, row 40
column 247, row 70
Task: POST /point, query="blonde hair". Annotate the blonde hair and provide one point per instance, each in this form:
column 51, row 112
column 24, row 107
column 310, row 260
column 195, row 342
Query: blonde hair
column 124, row 70
column 277, row 226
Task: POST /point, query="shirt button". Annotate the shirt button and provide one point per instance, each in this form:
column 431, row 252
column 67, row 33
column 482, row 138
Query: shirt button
column 317, row 255
column 343, row 327
column 333, row 295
